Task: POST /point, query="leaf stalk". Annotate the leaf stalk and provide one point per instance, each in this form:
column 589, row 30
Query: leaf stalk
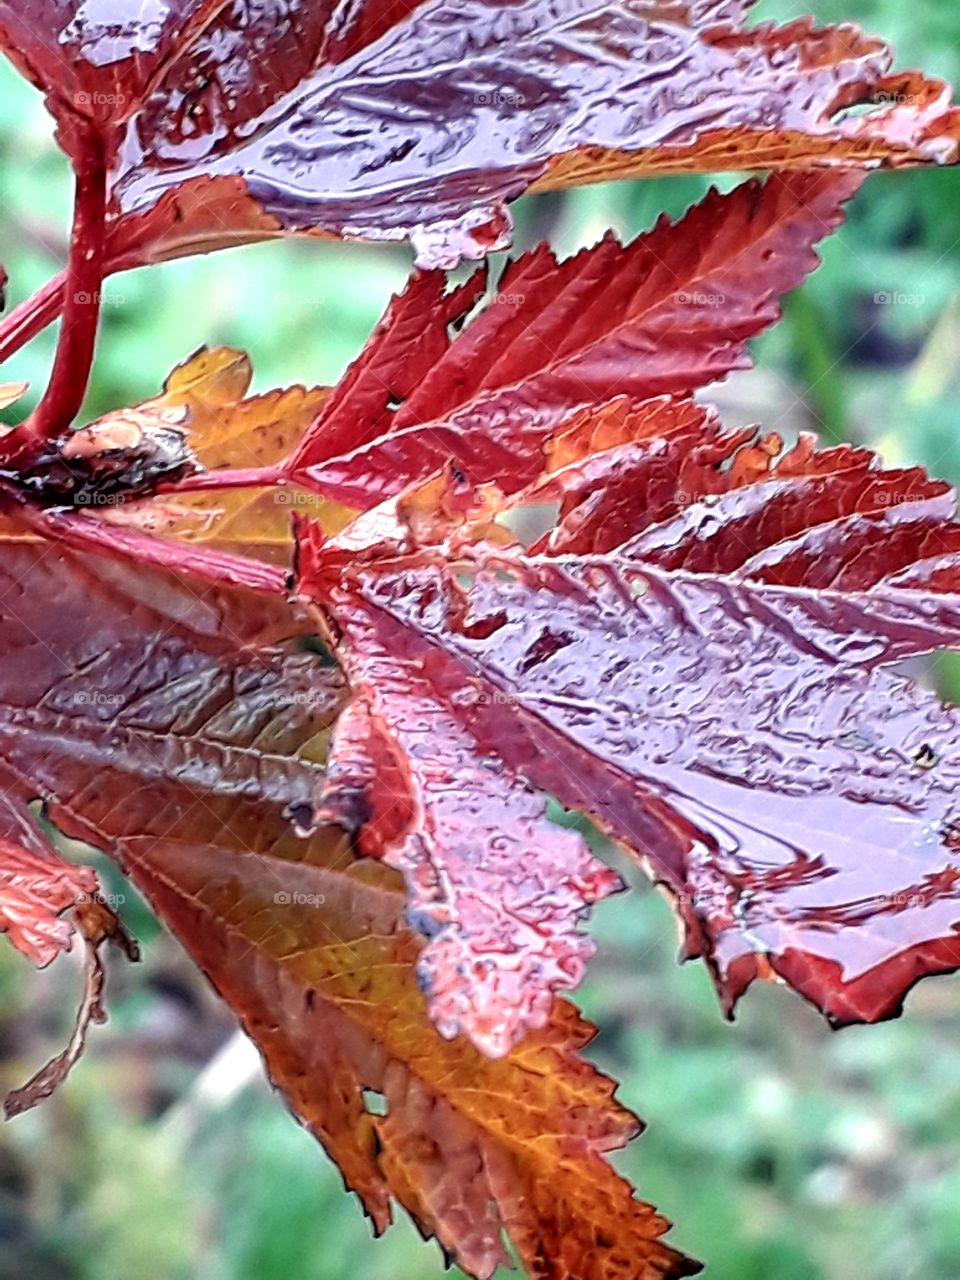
column 76, row 344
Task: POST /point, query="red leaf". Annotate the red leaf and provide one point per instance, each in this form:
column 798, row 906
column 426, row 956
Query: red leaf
column 428, row 130
column 647, row 665
column 97, row 63
column 497, row 887
column 669, row 313
column 409, row 341
column 231, row 121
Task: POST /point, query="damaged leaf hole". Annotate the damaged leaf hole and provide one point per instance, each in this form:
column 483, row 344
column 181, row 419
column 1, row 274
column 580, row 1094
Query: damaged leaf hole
column 376, row 1103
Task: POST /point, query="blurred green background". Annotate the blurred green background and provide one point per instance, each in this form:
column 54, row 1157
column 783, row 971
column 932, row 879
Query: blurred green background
column 782, row 1150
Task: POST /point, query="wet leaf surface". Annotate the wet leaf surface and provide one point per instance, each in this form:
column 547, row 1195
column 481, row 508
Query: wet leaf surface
column 498, row 888
column 645, row 662
column 97, row 62
column 236, row 121
column 426, row 132
column 697, row 651
column 182, row 730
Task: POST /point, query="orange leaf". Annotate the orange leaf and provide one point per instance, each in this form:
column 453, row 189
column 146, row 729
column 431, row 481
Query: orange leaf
column 322, row 975
column 225, row 428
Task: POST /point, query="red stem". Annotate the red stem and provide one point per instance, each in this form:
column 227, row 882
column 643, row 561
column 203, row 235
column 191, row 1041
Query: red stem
column 31, row 316
column 251, row 478
column 81, row 315
column 85, row 533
